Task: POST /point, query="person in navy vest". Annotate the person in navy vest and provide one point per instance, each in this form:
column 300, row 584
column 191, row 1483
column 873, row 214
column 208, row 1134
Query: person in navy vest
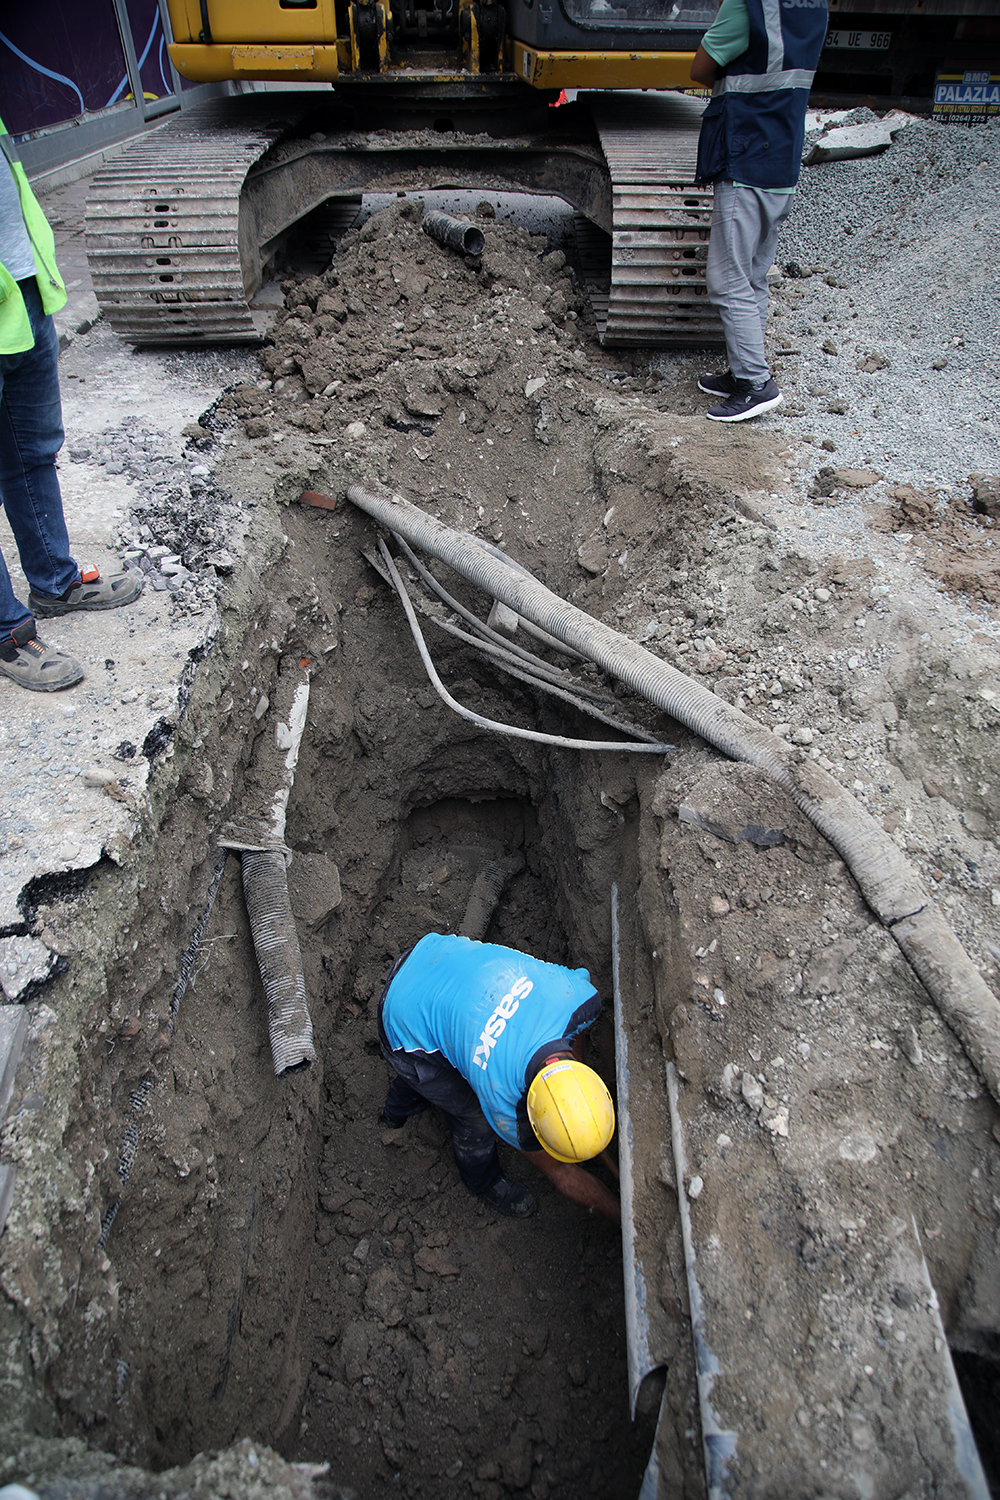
column 492, row 1037
column 758, row 57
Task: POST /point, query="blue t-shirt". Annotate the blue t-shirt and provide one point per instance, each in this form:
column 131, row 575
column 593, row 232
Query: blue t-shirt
column 493, row 1013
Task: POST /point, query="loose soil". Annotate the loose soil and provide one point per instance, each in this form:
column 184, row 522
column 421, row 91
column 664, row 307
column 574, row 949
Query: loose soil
column 284, row 1267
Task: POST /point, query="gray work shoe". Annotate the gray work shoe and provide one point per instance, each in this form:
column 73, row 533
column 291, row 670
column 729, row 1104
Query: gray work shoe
column 91, row 591
column 27, row 660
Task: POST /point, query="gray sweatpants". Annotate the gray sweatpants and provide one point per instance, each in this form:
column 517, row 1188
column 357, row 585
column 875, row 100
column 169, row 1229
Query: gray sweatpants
column 745, row 224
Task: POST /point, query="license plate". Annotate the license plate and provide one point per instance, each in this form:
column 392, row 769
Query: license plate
column 868, row 41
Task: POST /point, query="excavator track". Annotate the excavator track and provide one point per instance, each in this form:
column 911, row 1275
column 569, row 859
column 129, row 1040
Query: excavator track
column 163, row 229
column 656, row 292
column 179, row 226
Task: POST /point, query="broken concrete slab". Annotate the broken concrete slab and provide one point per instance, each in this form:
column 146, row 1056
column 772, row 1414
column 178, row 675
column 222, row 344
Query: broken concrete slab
column 850, row 141
column 24, row 961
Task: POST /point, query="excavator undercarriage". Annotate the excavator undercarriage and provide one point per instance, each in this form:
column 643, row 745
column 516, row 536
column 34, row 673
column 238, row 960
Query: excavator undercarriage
column 182, row 226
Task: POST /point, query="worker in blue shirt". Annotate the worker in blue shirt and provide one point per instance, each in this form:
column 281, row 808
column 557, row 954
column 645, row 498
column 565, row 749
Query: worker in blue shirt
column 491, row 1036
column 758, row 57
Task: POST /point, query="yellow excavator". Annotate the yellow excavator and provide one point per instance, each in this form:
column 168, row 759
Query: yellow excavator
column 386, row 95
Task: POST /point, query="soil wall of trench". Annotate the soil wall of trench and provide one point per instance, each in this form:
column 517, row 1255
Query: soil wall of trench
column 273, row 1242
column 282, row 1269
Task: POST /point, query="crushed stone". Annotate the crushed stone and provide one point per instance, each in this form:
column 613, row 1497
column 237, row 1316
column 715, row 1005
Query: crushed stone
column 896, row 318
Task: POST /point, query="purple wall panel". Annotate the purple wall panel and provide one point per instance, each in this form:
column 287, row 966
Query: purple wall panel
column 150, row 48
column 61, row 58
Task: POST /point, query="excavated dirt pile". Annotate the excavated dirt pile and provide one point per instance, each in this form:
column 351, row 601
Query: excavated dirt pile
column 280, row 1265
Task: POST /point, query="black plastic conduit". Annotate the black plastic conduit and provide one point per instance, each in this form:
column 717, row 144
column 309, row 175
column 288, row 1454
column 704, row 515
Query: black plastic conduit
column 887, row 881
column 455, row 234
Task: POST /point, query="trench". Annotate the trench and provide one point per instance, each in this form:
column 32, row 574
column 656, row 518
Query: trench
column 280, row 1268
column 286, row 1267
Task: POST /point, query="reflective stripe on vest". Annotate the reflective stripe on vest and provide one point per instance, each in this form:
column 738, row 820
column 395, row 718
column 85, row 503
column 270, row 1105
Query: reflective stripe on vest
column 776, row 77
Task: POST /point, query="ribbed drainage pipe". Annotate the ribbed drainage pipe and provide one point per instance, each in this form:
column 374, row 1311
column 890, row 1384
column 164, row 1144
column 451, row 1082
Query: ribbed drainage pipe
column 279, row 958
column 887, row 881
column 260, row 840
column 484, row 898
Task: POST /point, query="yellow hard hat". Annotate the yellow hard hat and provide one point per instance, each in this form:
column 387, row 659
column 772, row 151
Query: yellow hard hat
column 570, row 1110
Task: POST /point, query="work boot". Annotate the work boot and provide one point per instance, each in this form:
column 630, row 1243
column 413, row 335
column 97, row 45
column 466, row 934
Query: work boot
column 510, row 1198
column 34, row 665
column 90, row 591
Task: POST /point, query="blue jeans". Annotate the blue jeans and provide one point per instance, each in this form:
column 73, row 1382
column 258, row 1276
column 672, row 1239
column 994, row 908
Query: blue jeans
column 745, row 224
column 31, row 434
column 425, row 1078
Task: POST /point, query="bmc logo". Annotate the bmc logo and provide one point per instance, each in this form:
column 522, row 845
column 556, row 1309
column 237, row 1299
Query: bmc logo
column 494, row 1027
column 805, row 4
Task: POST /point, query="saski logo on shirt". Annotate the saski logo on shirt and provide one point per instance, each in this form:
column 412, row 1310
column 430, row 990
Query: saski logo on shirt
column 497, row 1022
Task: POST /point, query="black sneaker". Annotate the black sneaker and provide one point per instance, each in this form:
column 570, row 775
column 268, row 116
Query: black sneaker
column 34, row 665
column 510, row 1198
column 390, row 1123
column 747, row 401
column 718, row 385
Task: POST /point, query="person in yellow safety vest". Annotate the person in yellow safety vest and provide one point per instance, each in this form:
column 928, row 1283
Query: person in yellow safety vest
column 31, row 434
column 491, row 1036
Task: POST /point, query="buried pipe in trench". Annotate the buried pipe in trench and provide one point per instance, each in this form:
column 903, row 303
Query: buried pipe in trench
column 259, row 838
column 648, row 745
column 582, row 699
column 886, row 879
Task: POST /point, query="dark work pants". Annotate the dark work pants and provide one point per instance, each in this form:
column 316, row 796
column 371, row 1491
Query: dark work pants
column 425, row 1078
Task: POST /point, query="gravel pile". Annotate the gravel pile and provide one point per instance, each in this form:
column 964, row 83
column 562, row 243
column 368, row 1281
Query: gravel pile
column 182, row 517
column 890, row 298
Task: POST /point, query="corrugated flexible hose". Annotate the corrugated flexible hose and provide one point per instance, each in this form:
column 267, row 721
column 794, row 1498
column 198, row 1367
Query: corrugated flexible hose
column 263, row 855
column 276, row 944
column 887, row 881
column 484, row 898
